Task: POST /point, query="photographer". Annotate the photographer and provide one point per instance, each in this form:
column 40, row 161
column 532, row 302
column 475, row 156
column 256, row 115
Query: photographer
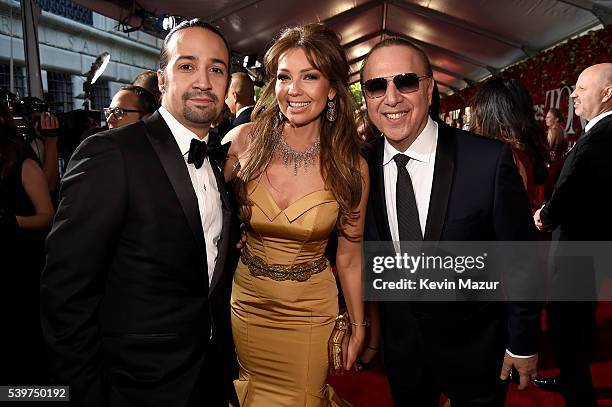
column 39, row 128
column 25, row 215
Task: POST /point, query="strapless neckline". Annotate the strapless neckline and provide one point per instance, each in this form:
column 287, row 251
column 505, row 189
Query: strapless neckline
column 295, row 208
column 293, row 202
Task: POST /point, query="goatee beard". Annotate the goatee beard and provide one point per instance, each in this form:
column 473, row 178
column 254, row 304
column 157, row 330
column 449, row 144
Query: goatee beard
column 200, row 115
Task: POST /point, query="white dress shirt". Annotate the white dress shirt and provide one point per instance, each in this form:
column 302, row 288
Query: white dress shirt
column 595, row 119
column 422, row 153
column 242, row 109
column 205, row 187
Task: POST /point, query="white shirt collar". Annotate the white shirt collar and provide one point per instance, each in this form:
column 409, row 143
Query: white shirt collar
column 421, row 149
column 242, row 109
column 595, row 119
column 182, row 134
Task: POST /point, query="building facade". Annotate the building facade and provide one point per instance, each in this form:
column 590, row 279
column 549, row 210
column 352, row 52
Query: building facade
column 71, row 37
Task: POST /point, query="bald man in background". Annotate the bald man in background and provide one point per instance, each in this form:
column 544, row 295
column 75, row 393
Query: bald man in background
column 241, row 98
column 578, row 210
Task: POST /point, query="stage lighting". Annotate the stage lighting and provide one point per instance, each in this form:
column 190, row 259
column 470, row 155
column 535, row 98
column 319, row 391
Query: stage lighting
column 165, row 22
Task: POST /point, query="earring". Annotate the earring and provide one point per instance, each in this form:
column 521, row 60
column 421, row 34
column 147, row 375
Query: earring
column 330, row 114
column 281, row 116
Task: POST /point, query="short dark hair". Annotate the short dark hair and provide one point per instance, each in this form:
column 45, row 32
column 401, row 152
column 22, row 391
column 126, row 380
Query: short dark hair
column 148, row 80
column 195, row 22
column 242, row 83
column 391, row 41
column 146, row 101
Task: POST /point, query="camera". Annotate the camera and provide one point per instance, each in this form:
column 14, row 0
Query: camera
column 24, row 112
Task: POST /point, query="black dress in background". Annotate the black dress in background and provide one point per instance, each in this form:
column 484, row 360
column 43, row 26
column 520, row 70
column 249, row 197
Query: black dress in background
column 22, row 260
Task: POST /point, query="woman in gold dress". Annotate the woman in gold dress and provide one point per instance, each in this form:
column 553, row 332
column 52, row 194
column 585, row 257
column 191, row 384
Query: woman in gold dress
column 298, row 174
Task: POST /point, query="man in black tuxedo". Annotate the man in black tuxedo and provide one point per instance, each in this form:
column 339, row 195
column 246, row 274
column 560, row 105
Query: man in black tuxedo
column 433, row 182
column 135, row 297
column 578, row 210
column 241, row 98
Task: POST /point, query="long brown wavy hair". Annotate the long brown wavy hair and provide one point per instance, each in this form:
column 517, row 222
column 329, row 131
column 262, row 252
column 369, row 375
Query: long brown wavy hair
column 340, row 144
column 502, row 109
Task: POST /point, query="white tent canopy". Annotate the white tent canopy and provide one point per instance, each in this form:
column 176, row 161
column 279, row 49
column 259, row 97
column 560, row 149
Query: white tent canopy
column 466, row 40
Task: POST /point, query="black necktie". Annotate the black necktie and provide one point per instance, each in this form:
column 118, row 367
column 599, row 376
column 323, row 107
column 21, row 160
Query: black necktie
column 198, row 150
column 408, row 223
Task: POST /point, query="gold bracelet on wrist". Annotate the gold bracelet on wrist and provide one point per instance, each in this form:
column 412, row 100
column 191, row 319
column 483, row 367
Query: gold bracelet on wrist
column 364, row 324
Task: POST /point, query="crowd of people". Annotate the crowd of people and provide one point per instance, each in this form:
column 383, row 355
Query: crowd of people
column 189, row 246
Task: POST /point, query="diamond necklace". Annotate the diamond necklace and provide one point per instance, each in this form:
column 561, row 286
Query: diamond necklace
column 299, row 159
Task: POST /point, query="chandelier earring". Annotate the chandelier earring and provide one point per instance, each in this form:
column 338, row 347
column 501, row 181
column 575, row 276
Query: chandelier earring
column 331, row 114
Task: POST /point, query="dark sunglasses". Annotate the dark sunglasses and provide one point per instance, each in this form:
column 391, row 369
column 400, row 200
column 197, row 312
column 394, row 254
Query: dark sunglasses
column 404, row 83
column 118, row 112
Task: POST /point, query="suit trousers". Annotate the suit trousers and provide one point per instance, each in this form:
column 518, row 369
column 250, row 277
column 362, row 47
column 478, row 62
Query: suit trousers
column 426, row 356
column 426, row 392
column 215, row 386
column 572, row 332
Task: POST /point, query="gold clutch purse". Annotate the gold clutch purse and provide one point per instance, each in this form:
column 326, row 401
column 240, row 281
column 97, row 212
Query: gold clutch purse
column 338, row 343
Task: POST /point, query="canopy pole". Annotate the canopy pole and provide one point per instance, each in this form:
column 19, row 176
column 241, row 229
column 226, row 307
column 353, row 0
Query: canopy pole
column 12, row 60
column 29, row 19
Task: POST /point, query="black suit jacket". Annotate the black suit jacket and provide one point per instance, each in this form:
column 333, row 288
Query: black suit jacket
column 126, row 305
column 578, row 210
column 477, row 195
column 243, row 117
column 579, row 207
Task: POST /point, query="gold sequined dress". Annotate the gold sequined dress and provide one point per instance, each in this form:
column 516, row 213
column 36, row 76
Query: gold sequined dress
column 281, row 324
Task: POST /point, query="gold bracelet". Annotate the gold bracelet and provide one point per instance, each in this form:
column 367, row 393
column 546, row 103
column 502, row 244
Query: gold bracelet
column 364, row 323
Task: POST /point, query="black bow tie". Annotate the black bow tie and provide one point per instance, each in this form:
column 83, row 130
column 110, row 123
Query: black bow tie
column 198, row 150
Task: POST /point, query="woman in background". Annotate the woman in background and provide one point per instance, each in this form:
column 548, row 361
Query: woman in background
column 299, row 174
column 558, row 148
column 556, row 134
column 25, row 201
column 502, row 109
column 25, row 214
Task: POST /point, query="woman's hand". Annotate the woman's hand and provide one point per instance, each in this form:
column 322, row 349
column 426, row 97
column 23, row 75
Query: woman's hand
column 355, row 344
column 48, row 126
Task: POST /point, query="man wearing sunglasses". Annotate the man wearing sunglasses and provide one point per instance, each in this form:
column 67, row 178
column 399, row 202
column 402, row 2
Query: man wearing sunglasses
column 431, row 182
column 129, row 105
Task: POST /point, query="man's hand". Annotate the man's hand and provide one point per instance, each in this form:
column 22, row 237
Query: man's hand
column 243, row 237
column 527, row 368
column 538, row 220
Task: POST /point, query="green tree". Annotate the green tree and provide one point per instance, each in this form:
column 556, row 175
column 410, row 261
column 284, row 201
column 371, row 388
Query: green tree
column 357, row 94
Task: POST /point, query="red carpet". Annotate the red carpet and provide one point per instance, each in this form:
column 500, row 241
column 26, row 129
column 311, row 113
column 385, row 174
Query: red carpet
column 370, row 389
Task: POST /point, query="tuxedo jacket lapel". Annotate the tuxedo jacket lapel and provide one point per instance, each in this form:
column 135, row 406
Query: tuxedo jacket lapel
column 568, row 165
column 170, row 156
column 442, row 183
column 597, row 127
column 223, row 242
column 377, row 183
